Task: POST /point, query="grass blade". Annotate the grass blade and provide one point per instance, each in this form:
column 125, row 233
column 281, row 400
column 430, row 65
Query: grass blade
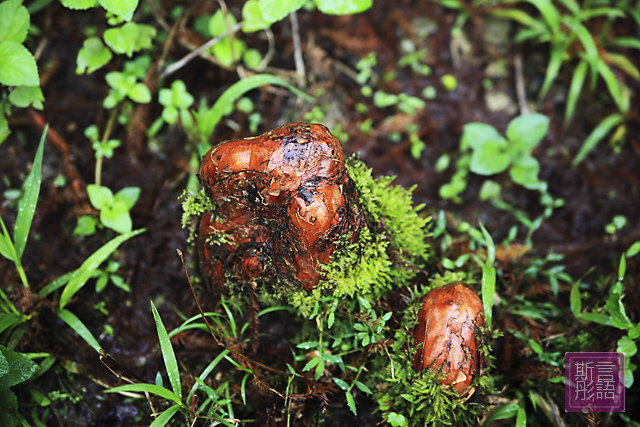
column 168, row 355
column 27, row 205
column 209, row 119
column 555, row 62
column 149, row 388
column 165, row 417
column 615, row 88
column 7, row 249
column 577, row 82
column 603, row 128
column 91, row 264
column 80, row 328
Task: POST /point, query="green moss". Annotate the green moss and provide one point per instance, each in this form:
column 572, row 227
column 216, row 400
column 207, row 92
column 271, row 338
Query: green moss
column 193, row 206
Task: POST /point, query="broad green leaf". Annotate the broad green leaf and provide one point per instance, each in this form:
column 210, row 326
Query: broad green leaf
column 208, row 118
column 575, row 89
column 140, row 93
column 166, row 415
column 9, row 320
column 527, row 131
column 311, row 364
column 25, row 96
column 524, row 171
column 275, row 10
column 603, row 128
column 116, row 218
column 80, row 328
column 122, row 8
column 168, row 355
column 27, row 205
column 504, row 412
column 489, row 159
column 20, row 368
column 475, row 135
column 93, row 55
column 227, row 56
column 627, row 346
column 90, row 265
column 149, row 388
column 252, row 17
column 79, row 4
column 343, row 7
column 101, row 197
column 128, row 196
column 363, row 387
column 633, row 250
column 14, row 21
column 17, row 65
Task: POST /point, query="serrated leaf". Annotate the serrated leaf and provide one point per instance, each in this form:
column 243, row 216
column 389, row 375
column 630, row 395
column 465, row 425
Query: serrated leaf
column 343, row 7
column 17, row 65
column 92, row 56
column 168, row 355
column 76, row 324
column 527, row 131
column 90, row 265
column 121, row 8
column 14, row 21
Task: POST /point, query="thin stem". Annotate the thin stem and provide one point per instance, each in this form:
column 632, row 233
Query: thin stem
column 295, row 32
column 22, row 274
column 105, row 138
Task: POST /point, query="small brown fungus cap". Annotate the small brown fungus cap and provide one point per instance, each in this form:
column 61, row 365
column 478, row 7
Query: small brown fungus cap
column 447, row 326
column 282, row 199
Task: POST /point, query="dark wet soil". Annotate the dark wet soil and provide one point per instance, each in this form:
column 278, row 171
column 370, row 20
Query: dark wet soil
column 604, row 185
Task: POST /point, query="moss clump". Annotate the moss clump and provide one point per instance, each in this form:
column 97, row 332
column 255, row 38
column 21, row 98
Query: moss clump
column 193, row 206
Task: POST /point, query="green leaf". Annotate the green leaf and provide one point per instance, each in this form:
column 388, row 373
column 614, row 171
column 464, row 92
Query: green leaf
column 116, row 218
column 149, row 388
column 14, row 21
column 90, row 265
column 168, row 355
column 630, row 42
column 4, row 128
column 19, row 368
column 93, row 55
column 311, row 364
column 27, row 205
column 128, row 196
column 619, row 95
column 549, row 13
column 586, row 39
column 475, row 135
column 252, row 17
column 166, row 415
column 488, row 292
column 575, row 301
column 603, row 128
column 490, row 158
column 524, row 171
column 504, row 412
column 341, row 383
column 343, row 7
column 140, row 93
column 208, row 118
column 633, row 250
column 275, row 10
column 577, row 82
column 101, row 197
column 17, row 65
column 553, row 68
column 25, row 96
column 129, row 38
column 122, row 8
column 615, row 308
column 627, row 346
column 79, row 4
column 363, row 387
column 76, row 324
column 351, row 403
column 624, row 64
column 527, row 131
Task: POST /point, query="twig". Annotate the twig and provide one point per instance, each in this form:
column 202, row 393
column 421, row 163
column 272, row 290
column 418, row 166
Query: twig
column 181, row 63
column 297, row 51
column 522, row 97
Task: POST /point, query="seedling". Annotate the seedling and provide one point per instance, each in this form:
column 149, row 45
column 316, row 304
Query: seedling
column 114, row 209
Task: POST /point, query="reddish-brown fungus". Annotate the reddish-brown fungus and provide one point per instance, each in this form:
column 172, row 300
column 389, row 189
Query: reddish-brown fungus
column 447, row 326
column 282, row 199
